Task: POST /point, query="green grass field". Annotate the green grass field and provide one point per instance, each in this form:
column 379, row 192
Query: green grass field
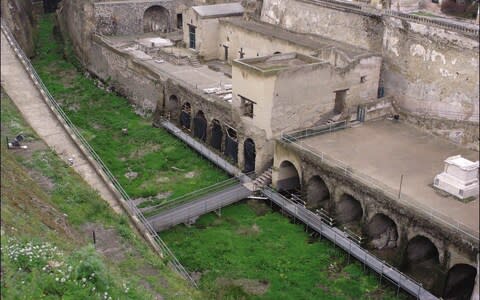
column 48, row 214
column 149, row 152
column 251, row 252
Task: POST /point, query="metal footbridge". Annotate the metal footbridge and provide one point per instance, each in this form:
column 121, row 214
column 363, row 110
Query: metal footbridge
column 189, row 212
column 208, row 203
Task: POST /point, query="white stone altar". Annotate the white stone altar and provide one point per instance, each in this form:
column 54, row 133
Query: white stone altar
column 459, row 177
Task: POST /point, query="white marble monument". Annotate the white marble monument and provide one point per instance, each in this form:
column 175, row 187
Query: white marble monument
column 459, row 177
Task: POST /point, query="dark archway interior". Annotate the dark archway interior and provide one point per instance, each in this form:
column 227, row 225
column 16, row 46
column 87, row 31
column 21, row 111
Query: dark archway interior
column 288, row 178
column 318, row 195
column 173, row 103
column 249, row 153
column 200, row 126
column 421, row 261
column 231, row 145
column 348, row 210
column 421, row 249
column 185, row 115
column 460, row 282
column 217, row 134
column 382, row 232
column 50, row 6
column 155, row 19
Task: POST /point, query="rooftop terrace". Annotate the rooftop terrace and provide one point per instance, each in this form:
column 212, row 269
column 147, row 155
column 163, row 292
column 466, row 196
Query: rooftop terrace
column 274, row 63
column 385, row 150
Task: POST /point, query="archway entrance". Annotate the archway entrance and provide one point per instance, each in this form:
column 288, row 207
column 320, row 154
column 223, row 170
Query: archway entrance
column 200, row 126
column 460, row 282
column 382, row 232
column 249, row 154
column 155, row 19
column 217, row 135
column 231, row 145
column 288, row 178
column 422, row 262
column 318, row 195
column 185, row 116
column 348, row 210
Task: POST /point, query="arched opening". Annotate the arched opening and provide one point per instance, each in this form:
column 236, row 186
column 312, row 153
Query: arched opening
column 200, row 126
column 249, row 154
column 460, row 282
column 172, row 103
column 348, row 210
column 277, row 52
column 382, row 232
column 231, row 144
column 318, row 195
column 155, row 19
column 186, row 115
column 288, row 178
column 422, row 262
column 217, row 135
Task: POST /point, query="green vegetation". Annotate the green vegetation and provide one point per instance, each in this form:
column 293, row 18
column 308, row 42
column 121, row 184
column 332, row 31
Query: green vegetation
column 48, row 216
column 251, row 252
column 161, row 166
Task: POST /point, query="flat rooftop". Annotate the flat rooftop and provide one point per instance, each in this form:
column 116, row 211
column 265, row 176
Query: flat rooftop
column 272, row 64
column 384, row 150
column 314, row 42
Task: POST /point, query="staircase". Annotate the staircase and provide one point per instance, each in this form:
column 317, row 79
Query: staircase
column 264, row 179
column 194, row 61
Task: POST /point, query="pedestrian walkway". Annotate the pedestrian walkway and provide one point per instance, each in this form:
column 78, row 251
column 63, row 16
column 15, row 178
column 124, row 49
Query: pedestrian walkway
column 189, row 212
column 20, row 86
column 342, row 240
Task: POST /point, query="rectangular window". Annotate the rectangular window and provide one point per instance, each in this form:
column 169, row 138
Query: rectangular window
column 247, row 107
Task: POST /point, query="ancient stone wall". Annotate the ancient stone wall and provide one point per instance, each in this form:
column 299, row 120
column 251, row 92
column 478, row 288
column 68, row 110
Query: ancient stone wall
column 410, row 221
column 427, row 69
column 128, row 76
column 19, row 17
column 124, row 18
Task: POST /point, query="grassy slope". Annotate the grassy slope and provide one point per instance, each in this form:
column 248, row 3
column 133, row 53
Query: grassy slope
column 101, row 115
column 56, row 213
column 266, row 247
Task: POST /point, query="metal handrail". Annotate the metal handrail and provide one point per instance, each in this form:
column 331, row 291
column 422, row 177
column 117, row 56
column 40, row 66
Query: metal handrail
column 307, row 218
column 55, row 107
column 387, row 190
column 317, row 130
column 192, row 195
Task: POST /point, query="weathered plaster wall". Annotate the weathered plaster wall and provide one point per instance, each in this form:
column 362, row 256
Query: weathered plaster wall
column 19, row 17
column 426, row 69
column 77, row 22
column 129, row 76
column 206, row 34
column 359, row 30
column 253, row 44
column 430, row 69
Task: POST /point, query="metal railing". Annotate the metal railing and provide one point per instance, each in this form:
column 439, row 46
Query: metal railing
column 381, row 188
column 78, row 138
column 191, row 210
column 171, row 203
column 312, row 131
column 370, row 10
column 342, row 240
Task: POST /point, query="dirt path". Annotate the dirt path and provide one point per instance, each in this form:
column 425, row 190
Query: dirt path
column 28, row 99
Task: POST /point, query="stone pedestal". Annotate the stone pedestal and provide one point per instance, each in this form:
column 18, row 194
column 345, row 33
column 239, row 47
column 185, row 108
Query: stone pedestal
column 459, row 178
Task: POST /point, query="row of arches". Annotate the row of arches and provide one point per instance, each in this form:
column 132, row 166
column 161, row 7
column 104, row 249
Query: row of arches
column 421, row 257
column 214, row 134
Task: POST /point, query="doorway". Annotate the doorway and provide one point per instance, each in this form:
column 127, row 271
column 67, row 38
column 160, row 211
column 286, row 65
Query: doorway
column 340, row 97
column 191, row 34
column 225, row 48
